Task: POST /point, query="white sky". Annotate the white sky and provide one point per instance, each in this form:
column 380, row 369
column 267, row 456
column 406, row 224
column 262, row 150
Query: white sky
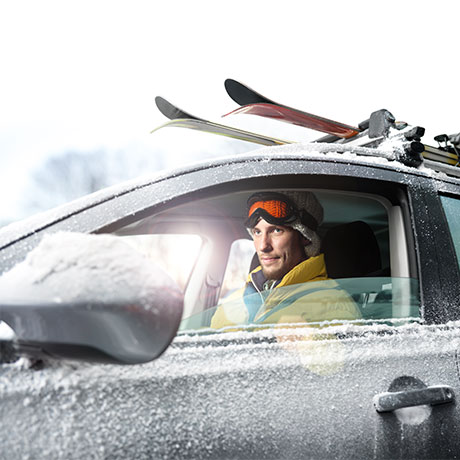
column 83, row 75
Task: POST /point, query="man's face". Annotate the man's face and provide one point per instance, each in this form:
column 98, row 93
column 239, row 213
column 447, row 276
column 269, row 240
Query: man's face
column 279, row 248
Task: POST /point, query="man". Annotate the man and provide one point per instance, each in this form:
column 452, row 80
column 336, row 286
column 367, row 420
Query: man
column 291, row 284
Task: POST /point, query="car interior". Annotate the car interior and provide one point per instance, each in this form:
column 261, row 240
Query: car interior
column 363, row 240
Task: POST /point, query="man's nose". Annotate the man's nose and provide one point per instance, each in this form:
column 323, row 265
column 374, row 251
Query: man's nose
column 265, row 243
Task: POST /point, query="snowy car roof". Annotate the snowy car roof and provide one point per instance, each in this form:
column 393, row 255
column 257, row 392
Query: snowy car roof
column 383, row 157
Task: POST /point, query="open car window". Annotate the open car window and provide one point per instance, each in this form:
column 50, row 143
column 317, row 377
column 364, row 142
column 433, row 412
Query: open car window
column 363, row 239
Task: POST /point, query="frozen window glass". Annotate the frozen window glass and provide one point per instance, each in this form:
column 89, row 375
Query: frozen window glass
column 452, row 211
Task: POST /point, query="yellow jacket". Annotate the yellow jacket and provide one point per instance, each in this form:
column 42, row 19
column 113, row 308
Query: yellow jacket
column 305, row 294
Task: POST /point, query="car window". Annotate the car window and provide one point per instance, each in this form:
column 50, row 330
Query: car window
column 452, row 210
column 362, row 239
column 238, row 265
column 318, row 304
column 166, row 250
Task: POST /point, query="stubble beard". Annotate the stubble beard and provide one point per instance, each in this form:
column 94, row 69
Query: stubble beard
column 274, row 273
column 277, row 273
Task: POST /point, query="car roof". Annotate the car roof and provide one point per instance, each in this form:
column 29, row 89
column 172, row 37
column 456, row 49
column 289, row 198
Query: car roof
column 337, row 153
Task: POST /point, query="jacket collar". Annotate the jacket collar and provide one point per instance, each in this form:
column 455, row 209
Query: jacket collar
column 312, row 269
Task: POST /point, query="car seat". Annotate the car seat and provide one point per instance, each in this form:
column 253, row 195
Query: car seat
column 351, row 251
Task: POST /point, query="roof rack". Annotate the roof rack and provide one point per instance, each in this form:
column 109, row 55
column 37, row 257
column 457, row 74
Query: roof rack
column 382, row 129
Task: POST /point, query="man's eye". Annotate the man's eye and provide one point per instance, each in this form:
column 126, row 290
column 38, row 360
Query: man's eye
column 277, row 230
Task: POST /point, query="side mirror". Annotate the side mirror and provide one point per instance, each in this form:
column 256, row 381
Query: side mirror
column 91, row 298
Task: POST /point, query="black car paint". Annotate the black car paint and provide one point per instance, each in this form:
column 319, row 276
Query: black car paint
column 243, row 395
column 434, row 255
column 228, row 405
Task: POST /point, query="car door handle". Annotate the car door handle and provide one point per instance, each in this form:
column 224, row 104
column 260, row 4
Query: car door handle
column 390, row 401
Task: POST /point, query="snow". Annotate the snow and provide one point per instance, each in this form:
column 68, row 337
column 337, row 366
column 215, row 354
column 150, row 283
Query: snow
column 188, row 355
column 209, row 393
column 264, row 392
column 299, row 151
column 413, row 415
column 91, row 292
column 6, row 333
column 131, row 196
column 68, row 266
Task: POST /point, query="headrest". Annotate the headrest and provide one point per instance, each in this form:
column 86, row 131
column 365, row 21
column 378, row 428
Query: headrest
column 351, row 251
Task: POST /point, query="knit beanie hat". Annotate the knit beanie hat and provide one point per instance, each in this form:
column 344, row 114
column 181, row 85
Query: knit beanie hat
column 307, row 202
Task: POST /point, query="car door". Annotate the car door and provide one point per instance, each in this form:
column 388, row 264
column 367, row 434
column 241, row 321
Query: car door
column 382, row 389
column 268, row 392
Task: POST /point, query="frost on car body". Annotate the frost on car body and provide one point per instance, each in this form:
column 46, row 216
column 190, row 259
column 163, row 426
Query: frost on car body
column 255, row 390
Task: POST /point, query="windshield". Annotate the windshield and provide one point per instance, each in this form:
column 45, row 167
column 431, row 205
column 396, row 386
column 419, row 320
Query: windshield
column 317, row 304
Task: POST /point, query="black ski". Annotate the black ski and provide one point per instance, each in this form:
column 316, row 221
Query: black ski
column 243, row 95
column 171, row 111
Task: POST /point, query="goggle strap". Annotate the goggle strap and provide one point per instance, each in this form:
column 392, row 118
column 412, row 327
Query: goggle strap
column 308, row 220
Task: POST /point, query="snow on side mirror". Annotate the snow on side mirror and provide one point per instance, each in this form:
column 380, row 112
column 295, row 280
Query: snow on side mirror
column 91, row 298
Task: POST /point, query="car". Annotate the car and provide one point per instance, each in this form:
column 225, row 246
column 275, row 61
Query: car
column 107, row 302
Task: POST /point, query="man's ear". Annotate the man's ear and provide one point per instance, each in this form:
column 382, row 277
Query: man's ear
column 305, row 241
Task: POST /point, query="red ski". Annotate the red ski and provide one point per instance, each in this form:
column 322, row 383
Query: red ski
column 299, row 118
column 256, row 104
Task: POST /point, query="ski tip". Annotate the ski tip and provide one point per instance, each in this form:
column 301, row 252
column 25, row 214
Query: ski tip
column 161, row 103
column 164, row 125
column 229, row 82
column 245, row 109
column 233, row 88
column 156, row 129
column 243, row 94
column 233, row 112
column 159, row 100
column 170, row 110
column 177, row 122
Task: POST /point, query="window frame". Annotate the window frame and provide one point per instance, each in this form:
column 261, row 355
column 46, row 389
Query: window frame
column 438, row 268
column 434, row 265
column 398, row 248
column 456, row 198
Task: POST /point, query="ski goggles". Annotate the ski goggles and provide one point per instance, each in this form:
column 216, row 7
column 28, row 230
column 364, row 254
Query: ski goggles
column 276, row 209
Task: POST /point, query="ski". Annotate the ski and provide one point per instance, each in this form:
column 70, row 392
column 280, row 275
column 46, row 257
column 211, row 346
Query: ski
column 257, row 104
column 296, row 117
column 171, row 111
column 243, row 95
column 181, row 119
column 442, row 156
